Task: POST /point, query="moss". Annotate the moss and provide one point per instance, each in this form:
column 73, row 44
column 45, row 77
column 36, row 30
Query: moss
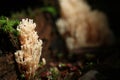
column 9, row 26
column 9, row 34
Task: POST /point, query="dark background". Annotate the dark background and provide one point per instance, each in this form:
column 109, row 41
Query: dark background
column 112, row 10
column 110, row 7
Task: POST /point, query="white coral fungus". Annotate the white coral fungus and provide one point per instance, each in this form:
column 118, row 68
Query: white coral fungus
column 81, row 26
column 29, row 55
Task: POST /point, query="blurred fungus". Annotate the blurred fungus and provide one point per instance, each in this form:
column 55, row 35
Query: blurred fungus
column 81, row 26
